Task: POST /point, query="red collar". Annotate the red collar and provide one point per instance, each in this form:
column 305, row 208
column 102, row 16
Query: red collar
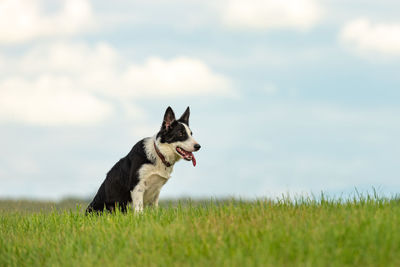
column 166, row 163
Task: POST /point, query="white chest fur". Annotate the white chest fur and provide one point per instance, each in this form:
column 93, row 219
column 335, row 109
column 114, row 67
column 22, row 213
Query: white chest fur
column 153, row 185
column 147, row 191
column 152, row 177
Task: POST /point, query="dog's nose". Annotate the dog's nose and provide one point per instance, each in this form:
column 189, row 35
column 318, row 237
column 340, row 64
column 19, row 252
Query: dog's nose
column 196, row 147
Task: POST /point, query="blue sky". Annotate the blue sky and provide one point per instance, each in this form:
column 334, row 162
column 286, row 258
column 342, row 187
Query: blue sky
column 295, row 97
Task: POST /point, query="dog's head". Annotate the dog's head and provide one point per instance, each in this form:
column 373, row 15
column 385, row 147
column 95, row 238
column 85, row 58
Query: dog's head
column 177, row 135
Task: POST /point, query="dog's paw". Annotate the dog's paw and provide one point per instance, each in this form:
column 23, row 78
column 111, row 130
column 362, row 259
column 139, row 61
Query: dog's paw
column 138, row 210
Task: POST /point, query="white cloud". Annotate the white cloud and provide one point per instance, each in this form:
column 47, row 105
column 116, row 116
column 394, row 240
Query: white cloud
column 49, row 101
column 60, row 83
column 180, row 76
column 234, row 14
column 23, row 20
column 364, row 37
column 69, row 58
column 101, row 69
column 270, row 14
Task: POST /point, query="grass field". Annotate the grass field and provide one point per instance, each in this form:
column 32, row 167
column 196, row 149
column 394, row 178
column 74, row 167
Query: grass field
column 304, row 232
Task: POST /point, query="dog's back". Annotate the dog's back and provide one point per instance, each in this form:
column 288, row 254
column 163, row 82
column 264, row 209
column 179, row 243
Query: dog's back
column 120, row 180
column 98, row 203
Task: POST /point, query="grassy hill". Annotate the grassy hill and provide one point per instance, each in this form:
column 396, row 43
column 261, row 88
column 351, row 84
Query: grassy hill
column 304, row 232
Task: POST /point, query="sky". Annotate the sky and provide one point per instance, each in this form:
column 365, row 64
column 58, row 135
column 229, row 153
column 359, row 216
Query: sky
column 287, row 97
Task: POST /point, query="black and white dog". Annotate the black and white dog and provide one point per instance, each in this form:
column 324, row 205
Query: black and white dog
column 139, row 177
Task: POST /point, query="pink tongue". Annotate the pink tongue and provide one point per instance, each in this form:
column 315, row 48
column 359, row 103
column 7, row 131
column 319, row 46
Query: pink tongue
column 193, row 160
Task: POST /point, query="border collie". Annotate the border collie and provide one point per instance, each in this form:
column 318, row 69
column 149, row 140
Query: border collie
column 139, row 177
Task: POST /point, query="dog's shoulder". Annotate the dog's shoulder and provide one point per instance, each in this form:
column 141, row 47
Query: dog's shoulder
column 125, row 171
column 139, row 152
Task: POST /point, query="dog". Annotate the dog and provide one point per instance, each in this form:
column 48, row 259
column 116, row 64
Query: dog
column 138, row 177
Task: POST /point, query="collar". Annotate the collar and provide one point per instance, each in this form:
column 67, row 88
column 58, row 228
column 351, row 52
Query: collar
column 161, row 156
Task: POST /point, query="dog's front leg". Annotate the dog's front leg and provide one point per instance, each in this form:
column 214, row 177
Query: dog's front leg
column 156, row 200
column 137, row 197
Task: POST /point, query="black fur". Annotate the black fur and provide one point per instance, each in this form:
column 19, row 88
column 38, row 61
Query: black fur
column 175, row 133
column 185, row 117
column 172, row 130
column 120, row 180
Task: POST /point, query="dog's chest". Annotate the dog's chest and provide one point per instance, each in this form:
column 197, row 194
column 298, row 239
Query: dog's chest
column 148, row 170
column 152, row 178
column 152, row 185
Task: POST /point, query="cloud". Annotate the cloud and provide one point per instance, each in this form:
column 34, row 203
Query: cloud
column 49, row 101
column 76, row 83
column 101, row 69
column 22, row 21
column 254, row 15
column 270, row 14
column 364, row 37
column 177, row 77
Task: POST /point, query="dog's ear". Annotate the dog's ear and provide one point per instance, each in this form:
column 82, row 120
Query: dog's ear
column 169, row 118
column 185, row 116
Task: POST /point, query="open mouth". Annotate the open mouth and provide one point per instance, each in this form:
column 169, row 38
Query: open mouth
column 186, row 155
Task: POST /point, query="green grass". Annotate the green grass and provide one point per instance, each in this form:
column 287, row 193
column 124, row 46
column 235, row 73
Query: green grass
column 303, row 232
